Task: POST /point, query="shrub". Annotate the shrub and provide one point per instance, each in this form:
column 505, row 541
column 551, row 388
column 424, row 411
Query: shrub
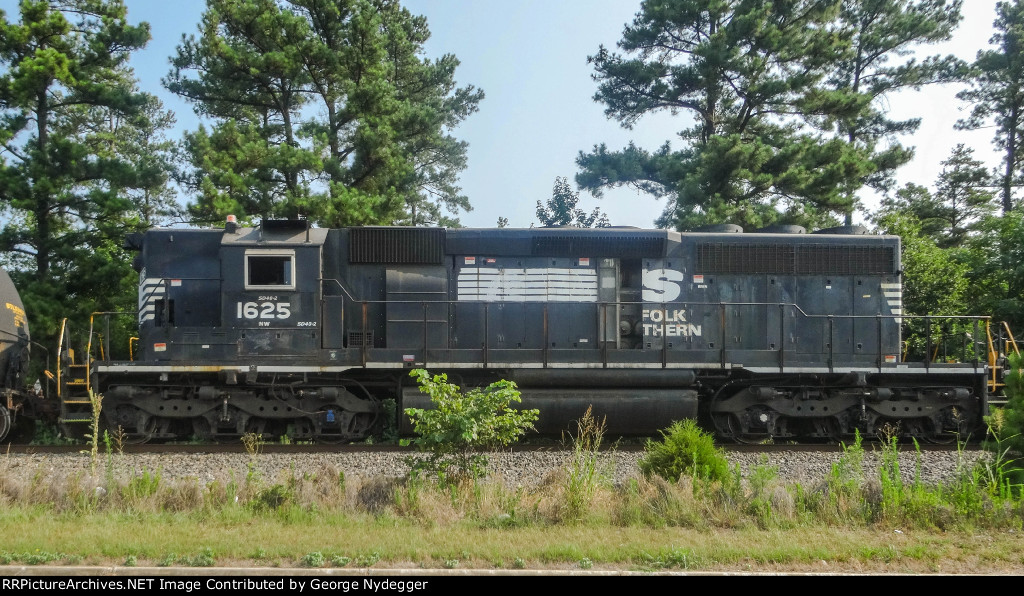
column 1011, row 427
column 684, row 450
column 461, row 424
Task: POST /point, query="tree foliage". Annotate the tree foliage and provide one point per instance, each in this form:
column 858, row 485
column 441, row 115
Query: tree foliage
column 960, row 203
column 322, row 108
column 82, row 161
column 879, row 38
column 783, row 98
column 996, row 263
column 1010, row 435
column 996, row 95
column 934, row 282
column 460, row 424
column 742, row 70
column 561, row 209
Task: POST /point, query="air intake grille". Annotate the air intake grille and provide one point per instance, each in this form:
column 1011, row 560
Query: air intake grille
column 808, row 259
column 845, row 260
column 550, row 245
column 397, row 246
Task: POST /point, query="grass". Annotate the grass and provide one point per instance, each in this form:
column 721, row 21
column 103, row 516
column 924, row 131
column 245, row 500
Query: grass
column 188, row 540
column 850, row 520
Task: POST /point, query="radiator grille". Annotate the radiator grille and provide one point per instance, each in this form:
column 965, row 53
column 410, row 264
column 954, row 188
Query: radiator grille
column 397, row 246
column 809, row 259
column 550, row 245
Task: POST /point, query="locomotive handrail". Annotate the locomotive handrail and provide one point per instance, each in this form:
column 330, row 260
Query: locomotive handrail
column 60, row 343
column 340, row 285
column 830, row 353
column 994, row 353
column 106, row 338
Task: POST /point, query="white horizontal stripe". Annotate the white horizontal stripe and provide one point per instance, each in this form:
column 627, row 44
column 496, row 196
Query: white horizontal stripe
column 528, row 284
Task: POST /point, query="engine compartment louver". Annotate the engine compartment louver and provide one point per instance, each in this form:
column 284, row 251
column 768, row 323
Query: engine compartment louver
column 567, row 245
column 810, row 259
column 397, row 246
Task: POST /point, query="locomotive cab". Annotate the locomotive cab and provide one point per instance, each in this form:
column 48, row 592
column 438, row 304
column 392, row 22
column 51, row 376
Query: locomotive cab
column 271, row 289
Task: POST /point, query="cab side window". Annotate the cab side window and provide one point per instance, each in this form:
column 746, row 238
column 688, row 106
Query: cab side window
column 269, row 271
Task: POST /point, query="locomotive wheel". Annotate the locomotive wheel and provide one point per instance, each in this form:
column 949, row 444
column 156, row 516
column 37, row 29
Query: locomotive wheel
column 5, row 423
column 941, row 434
column 338, row 426
column 119, row 435
column 735, row 430
column 942, row 437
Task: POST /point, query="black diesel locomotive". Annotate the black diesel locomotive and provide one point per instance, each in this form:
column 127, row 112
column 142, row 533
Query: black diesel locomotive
column 291, row 330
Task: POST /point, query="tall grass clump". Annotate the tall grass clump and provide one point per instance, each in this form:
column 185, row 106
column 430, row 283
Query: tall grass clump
column 839, row 498
column 583, row 475
column 685, row 450
column 1002, row 472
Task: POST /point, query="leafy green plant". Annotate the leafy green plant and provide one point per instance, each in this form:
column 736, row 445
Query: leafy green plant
column 368, row 560
column 273, row 498
column 47, row 433
column 314, row 559
column 461, row 424
column 685, row 450
column 204, row 558
column 389, row 433
column 1012, row 416
column 670, row 558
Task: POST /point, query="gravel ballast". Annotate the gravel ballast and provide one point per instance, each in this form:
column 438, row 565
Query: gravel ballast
column 524, row 469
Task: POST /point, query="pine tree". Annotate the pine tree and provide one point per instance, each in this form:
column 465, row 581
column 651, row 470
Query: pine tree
column 74, row 174
column 746, row 72
column 878, row 36
column 960, row 202
column 322, row 108
column 996, row 95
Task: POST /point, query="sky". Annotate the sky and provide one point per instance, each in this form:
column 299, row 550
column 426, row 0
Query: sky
column 530, row 59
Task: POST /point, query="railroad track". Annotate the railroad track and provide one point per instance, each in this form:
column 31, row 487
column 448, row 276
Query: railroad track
column 274, row 448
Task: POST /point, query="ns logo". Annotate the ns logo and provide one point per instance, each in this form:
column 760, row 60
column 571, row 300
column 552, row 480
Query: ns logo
column 661, row 285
